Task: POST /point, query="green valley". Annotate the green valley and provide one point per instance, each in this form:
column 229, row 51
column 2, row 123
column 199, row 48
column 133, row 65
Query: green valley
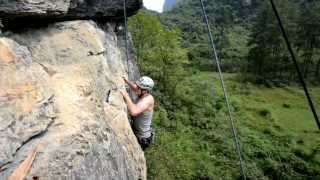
column 279, row 137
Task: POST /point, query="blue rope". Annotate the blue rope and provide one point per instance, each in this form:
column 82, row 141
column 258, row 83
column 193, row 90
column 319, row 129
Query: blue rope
column 216, row 59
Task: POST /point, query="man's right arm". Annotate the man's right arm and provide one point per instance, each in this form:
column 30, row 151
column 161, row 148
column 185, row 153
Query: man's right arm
column 132, row 85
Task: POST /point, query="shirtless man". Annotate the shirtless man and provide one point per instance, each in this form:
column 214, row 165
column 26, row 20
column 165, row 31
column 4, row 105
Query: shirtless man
column 141, row 111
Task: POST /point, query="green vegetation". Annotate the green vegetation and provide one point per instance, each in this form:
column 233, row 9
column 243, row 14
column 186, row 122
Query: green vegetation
column 279, row 138
column 249, row 39
column 278, row 134
column 159, row 53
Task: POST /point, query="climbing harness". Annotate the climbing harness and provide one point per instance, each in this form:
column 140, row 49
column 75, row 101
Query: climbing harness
column 293, row 57
column 217, row 61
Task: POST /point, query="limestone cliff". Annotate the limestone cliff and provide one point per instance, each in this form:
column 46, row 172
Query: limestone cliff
column 58, row 96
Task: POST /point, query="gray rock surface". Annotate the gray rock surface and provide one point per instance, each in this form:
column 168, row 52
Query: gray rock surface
column 11, row 10
column 52, row 96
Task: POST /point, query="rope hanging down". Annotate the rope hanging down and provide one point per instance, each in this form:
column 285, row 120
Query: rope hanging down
column 126, row 34
column 216, row 59
column 302, row 81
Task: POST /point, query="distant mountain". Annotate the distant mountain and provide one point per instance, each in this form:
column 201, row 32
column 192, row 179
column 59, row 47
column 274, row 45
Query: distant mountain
column 169, row 4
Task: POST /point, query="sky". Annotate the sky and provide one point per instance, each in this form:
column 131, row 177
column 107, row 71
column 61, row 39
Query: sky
column 155, row 5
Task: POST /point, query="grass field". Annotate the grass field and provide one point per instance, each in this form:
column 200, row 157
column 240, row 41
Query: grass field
column 279, row 137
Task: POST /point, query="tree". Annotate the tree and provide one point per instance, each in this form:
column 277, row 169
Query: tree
column 159, row 53
column 308, row 39
column 268, row 58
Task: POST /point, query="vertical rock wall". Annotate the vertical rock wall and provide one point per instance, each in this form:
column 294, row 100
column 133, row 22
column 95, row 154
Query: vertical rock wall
column 54, row 85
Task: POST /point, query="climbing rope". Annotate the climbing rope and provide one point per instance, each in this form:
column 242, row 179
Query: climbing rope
column 293, row 57
column 126, row 35
column 216, row 59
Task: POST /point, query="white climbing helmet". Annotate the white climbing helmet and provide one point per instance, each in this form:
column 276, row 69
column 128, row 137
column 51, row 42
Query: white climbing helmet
column 145, row 82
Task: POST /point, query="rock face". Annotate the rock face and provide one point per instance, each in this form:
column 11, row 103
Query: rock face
column 65, row 9
column 54, row 85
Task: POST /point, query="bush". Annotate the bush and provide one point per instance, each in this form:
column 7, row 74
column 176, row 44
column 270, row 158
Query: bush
column 265, row 113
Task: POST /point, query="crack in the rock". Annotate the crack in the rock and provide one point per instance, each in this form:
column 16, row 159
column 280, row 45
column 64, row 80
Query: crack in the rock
column 40, row 134
column 3, row 166
column 37, row 135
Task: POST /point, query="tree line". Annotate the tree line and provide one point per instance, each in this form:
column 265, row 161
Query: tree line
column 249, row 39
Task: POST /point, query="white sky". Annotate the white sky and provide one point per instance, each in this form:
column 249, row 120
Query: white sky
column 155, row 5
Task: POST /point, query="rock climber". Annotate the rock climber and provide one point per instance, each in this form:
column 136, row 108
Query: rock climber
column 142, row 110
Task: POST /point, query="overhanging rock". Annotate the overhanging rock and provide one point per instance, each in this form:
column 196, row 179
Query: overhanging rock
column 17, row 10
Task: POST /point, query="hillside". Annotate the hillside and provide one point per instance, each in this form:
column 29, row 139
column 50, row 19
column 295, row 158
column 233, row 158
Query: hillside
column 278, row 135
column 279, row 138
column 229, row 23
column 248, row 37
column 168, row 4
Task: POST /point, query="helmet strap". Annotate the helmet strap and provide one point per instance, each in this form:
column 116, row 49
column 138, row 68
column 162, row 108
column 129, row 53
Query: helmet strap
column 144, row 92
